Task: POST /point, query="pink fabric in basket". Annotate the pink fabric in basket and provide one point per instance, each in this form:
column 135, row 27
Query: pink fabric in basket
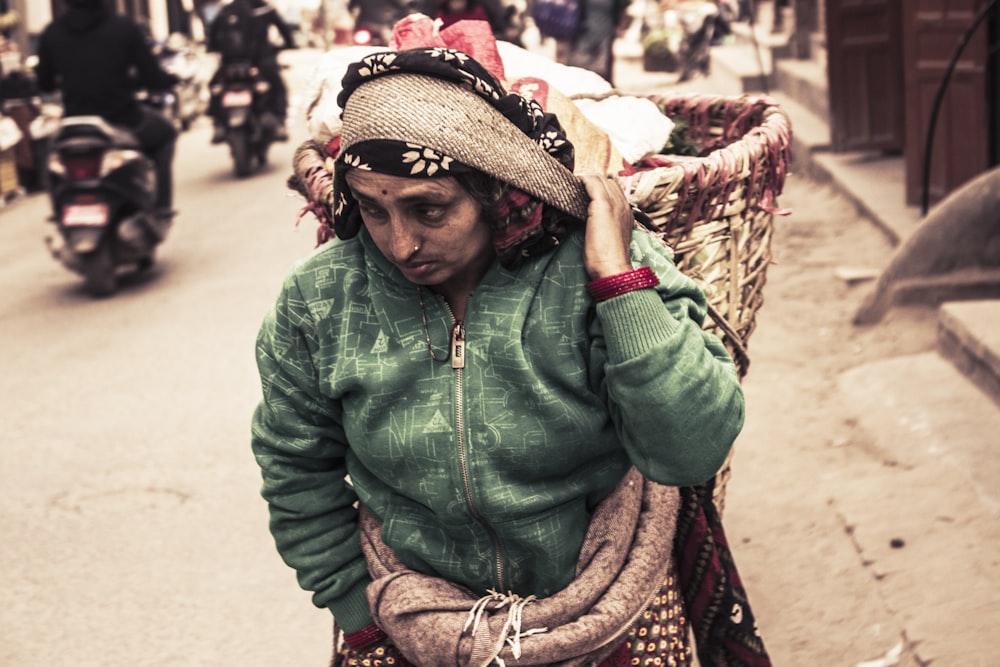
column 473, row 37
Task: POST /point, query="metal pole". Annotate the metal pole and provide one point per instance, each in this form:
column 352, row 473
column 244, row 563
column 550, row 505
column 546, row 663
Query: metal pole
column 938, row 100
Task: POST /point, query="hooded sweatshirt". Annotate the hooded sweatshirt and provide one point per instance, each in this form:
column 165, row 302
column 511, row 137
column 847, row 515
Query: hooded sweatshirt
column 487, row 474
column 98, row 59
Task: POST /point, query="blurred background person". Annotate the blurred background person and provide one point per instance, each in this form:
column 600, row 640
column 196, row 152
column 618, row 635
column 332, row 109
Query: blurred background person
column 503, row 18
column 592, row 48
column 778, row 21
column 452, row 11
column 95, row 59
column 240, row 32
column 373, row 19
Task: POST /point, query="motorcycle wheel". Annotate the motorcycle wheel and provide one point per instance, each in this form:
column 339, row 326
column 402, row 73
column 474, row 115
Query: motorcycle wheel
column 98, row 268
column 239, row 143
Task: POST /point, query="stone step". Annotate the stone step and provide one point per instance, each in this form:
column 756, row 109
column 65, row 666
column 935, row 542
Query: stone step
column 969, row 337
column 743, row 67
column 745, row 34
column 810, row 132
column 753, row 68
column 804, row 79
column 805, row 82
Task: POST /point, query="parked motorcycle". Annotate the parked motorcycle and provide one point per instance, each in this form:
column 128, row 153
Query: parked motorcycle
column 679, row 39
column 242, row 92
column 102, row 189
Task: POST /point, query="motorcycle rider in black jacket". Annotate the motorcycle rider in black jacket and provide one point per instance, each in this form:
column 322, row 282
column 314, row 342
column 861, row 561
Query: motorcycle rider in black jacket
column 93, row 57
column 256, row 47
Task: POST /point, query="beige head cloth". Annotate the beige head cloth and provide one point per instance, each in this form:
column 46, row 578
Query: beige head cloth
column 462, row 125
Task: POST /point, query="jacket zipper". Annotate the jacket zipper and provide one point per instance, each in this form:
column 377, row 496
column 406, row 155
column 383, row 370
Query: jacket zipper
column 458, row 364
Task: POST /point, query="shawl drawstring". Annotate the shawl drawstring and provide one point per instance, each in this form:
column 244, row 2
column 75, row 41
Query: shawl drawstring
column 511, row 632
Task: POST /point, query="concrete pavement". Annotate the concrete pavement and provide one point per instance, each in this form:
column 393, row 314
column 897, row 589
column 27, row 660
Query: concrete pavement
column 923, row 520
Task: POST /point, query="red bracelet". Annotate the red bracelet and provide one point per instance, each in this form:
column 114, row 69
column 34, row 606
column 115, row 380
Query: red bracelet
column 605, row 288
column 366, row 636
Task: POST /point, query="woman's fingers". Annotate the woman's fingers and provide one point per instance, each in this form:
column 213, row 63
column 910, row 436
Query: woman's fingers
column 609, row 227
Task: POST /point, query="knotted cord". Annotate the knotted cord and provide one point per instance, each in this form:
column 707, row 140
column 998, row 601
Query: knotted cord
column 511, row 632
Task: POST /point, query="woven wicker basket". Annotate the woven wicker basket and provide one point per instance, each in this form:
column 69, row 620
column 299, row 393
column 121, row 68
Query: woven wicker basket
column 716, row 208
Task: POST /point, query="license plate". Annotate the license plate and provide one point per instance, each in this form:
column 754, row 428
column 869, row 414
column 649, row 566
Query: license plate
column 237, row 98
column 85, row 215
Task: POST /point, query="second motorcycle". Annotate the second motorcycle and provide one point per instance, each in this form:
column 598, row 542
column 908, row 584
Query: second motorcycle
column 249, row 129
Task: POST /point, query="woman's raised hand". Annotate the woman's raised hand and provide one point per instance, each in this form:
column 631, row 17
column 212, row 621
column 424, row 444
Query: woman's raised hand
column 609, row 227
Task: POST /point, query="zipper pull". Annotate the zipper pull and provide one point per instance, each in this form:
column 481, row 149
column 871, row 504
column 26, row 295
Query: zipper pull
column 458, row 345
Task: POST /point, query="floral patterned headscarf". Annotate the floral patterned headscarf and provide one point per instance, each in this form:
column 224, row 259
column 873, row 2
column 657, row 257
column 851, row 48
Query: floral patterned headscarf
column 421, row 113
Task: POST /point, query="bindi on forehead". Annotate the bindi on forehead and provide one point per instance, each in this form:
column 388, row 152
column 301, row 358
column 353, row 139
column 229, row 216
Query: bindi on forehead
column 384, row 187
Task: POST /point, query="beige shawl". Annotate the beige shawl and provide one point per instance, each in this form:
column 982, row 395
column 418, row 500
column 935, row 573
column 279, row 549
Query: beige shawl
column 621, row 567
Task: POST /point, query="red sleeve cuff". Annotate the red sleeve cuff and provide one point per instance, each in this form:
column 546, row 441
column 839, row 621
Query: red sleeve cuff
column 366, row 636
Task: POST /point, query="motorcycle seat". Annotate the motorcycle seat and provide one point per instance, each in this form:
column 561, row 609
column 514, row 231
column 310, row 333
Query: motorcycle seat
column 93, row 132
column 242, row 70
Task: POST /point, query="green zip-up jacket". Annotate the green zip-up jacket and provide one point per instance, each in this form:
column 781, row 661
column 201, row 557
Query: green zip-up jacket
column 485, row 475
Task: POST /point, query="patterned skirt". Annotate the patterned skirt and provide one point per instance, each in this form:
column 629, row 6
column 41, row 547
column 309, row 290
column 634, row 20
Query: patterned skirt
column 702, row 609
column 659, row 638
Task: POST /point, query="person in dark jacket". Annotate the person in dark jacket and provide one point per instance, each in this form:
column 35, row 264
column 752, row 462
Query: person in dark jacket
column 252, row 21
column 95, row 58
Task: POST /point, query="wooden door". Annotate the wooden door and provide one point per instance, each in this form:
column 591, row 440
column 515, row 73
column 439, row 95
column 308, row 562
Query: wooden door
column 864, row 63
column 961, row 148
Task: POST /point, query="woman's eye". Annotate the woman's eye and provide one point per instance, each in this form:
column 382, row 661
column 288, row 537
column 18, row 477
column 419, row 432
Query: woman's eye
column 371, row 212
column 431, row 213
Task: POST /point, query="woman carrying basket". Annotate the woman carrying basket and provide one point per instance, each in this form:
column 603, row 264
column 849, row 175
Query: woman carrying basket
column 478, row 399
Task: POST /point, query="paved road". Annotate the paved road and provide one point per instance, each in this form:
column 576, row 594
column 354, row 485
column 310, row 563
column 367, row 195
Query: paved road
column 132, row 530
column 132, row 533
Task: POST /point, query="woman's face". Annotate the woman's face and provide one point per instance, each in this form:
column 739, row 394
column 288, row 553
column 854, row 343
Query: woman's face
column 430, row 228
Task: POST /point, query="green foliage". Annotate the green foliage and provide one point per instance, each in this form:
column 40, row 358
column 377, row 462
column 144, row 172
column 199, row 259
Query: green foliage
column 679, row 143
column 660, row 42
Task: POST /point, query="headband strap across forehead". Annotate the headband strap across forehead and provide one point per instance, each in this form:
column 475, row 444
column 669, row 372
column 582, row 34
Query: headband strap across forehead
column 400, row 158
